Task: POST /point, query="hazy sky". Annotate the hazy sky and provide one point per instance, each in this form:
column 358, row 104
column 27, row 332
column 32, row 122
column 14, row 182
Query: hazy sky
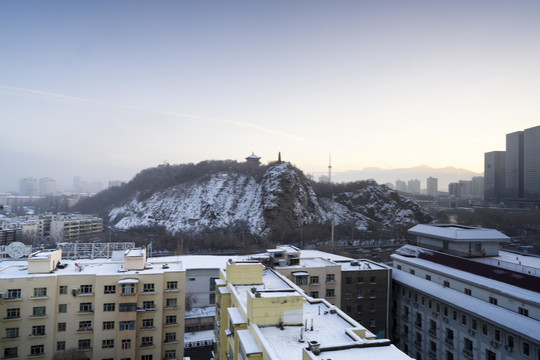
column 103, row 89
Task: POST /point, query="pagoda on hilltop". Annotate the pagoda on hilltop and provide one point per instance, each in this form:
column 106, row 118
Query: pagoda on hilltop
column 253, row 159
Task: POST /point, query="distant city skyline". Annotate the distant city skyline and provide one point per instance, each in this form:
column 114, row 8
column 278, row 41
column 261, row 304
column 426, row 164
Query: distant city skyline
column 105, row 89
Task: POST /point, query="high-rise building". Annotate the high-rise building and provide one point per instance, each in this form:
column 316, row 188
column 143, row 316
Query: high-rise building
column 514, row 165
column 401, row 186
column 432, row 186
column 47, row 186
column 457, row 296
column 494, row 175
column 123, row 308
column 477, row 190
column 531, row 163
column 28, row 186
column 413, row 186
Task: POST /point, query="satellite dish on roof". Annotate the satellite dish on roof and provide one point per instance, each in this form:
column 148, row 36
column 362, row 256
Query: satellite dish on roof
column 16, row 250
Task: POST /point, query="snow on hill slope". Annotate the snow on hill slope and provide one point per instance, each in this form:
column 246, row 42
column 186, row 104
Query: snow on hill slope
column 282, row 198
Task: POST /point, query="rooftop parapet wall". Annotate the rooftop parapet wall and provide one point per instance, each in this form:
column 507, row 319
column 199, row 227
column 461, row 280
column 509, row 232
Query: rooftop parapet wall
column 275, row 308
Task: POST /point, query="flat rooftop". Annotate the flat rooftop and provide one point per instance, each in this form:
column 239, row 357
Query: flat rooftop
column 458, row 233
column 99, row 267
column 356, row 265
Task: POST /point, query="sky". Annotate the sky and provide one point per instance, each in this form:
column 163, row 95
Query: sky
column 104, row 89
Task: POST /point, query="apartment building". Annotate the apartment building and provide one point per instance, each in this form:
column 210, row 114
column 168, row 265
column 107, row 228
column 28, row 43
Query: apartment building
column 73, row 226
column 457, row 296
column 119, row 308
column 260, row 314
column 366, row 293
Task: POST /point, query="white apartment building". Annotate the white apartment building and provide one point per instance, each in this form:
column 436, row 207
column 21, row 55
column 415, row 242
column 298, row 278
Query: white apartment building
column 456, row 296
column 119, row 308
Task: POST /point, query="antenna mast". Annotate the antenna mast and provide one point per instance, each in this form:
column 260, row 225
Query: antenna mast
column 330, row 168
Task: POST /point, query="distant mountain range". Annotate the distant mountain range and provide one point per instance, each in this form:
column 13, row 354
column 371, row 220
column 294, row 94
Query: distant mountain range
column 445, row 175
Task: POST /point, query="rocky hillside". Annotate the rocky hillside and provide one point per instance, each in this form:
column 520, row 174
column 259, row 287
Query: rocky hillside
column 257, row 201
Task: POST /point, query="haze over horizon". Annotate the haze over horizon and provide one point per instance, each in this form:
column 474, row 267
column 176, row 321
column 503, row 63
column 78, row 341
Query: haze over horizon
column 105, row 89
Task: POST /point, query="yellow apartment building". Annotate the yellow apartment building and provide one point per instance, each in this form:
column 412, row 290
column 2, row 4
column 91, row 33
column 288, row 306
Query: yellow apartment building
column 119, row 308
column 262, row 315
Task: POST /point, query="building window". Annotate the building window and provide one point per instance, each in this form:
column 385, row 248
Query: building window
column 213, row 283
column 449, row 336
column 170, row 320
column 109, row 306
column 109, row 289
column 523, row 311
column 62, row 308
column 372, row 323
column 170, row 354
column 360, row 280
column 428, row 277
column 40, row 292
column 463, row 319
column 330, row 278
column 411, row 271
column 406, row 330
column 432, row 346
column 360, row 294
column 372, row 294
column 314, row 294
column 108, row 325
column 61, row 327
column 85, row 307
column 371, row 308
column 13, row 294
column 149, row 305
column 399, row 267
column 359, row 309
column 497, row 335
column 449, row 355
column 348, row 280
column 433, row 327
column 314, row 280
column 170, row 337
column 107, row 344
column 127, row 307
column 525, row 348
column 348, row 295
column 148, row 287
column 446, row 283
column 172, row 285
column 126, row 344
column 372, row 280
column 60, row 345
column 418, row 340
column 10, row 353
column 38, row 330
column 85, row 325
column 63, row 290
column 128, row 289
column 127, row 325
column 171, row 303
column 148, row 323
column 467, row 347
column 445, row 245
column 301, row 280
column 85, row 289
column 12, row 333
column 147, row 341
column 418, row 321
column 37, row 350
column 330, row 293
column 510, row 341
column 493, row 300
column 146, row 357
column 38, row 311
column 477, row 247
column 484, row 330
column 348, row 309
column 212, row 299
column 13, row 313
column 490, row 355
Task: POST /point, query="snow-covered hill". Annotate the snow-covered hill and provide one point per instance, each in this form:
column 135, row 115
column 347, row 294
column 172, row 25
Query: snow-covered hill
column 282, row 199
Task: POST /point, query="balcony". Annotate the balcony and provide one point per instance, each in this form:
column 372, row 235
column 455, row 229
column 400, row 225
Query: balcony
column 84, row 329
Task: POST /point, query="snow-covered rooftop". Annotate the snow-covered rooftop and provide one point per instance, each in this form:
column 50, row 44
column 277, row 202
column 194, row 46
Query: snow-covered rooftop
column 458, row 233
column 355, row 265
column 98, row 267
column 519, row 324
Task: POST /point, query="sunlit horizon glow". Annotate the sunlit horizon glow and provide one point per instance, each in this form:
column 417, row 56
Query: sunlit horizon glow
column 105, row 89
